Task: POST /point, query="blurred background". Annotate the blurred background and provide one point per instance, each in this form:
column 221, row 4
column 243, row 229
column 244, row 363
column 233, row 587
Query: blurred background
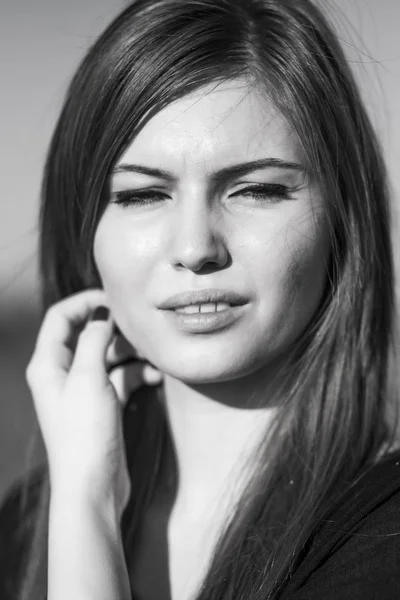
column 41, row 43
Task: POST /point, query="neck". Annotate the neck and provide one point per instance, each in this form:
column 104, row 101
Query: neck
column 212, row 431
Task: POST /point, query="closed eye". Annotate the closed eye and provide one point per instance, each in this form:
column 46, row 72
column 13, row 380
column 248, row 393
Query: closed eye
column 127, row 197
column 268, row 192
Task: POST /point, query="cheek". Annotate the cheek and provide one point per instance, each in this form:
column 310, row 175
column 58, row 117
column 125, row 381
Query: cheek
column 123, row 258
column 304, row 258
column 293, row 272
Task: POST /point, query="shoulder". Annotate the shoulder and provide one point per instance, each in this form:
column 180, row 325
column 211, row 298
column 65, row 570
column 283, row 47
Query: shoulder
column 18, row 514
column 356, row 552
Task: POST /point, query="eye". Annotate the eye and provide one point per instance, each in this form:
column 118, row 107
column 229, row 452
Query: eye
column 269, row 192
column 128, row 197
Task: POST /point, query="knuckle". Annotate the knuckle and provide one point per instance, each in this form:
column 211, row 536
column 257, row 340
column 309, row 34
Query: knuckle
column 28, row 373
column 35, row 370
column 51, row 311
column 50, row 316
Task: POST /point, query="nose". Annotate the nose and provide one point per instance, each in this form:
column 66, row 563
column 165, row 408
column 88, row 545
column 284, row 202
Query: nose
column 198, row 238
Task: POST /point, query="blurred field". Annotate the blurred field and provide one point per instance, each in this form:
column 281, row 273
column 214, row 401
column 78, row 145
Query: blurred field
column 18, row 332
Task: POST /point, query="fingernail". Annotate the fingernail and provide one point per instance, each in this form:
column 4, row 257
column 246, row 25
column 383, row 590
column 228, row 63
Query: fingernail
column 100, row 314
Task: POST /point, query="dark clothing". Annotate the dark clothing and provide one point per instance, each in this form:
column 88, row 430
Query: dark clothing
column 355, row 554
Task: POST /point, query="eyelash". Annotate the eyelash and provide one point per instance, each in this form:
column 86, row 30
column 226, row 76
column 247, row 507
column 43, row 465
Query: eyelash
column 260, row 192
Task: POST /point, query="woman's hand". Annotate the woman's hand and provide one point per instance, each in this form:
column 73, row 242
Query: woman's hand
column 79, row 393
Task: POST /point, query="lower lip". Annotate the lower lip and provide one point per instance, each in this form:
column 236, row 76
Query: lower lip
column 206, row 322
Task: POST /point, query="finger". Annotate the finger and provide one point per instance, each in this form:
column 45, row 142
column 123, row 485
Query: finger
column 151, row 375
column 120, row 349
column 127, row 379
column 54, row 345
column 90, row 355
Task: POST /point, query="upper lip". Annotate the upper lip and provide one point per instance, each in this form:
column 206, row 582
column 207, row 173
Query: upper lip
column 203, row 297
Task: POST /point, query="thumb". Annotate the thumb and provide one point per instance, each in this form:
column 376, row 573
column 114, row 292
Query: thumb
column 93, row 342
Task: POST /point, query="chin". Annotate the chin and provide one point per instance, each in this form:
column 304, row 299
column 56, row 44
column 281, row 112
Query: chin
column 199, row 371
column 199, row 375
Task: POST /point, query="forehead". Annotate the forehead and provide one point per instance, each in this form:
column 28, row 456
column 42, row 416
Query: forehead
column 216, row 125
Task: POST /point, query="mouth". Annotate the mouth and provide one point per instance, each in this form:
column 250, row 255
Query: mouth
column 207, row 300
column 191, row 319
column 207, row 308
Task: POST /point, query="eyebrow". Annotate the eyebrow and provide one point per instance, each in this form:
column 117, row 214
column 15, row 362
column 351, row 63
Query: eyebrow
column 218, row 177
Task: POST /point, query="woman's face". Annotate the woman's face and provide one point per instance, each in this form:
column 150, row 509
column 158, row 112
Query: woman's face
column 198, row 231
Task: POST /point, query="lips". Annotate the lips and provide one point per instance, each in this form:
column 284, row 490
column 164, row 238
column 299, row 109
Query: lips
column 205, row 323
column 204, row 308
column 206, row 296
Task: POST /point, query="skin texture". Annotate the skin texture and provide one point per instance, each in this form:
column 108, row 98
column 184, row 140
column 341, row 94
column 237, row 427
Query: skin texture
column 195, row 236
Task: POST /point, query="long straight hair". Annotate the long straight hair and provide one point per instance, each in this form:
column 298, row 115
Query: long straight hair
column 339, row 414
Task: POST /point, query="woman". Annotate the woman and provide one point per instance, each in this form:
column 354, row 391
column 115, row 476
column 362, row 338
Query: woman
column 214, row 156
